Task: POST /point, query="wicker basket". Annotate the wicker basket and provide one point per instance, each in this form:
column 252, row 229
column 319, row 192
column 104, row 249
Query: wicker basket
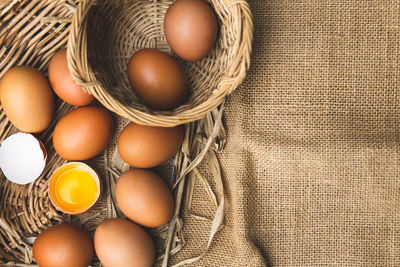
column 31, row 31
column 27, row 37
column 105, row 34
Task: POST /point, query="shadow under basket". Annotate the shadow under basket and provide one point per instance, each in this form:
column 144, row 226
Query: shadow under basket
column 105, row 34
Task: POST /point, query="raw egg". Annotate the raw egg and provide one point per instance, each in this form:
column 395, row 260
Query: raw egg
column 63, row 245
column 148, row 146
column 62, row 83
column 144, row 197
column 157, row 79
column 74, row 188
column 27, row 99
column 83, row 133
column 190, row 27
column 119, row 242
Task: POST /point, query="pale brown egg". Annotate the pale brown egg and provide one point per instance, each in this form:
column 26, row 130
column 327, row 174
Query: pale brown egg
column 190, row 27
column 27, row 99
column 144, row 197
column 63, row 245
column 83, row 133
column 147, row 146
column 119, row 242
column 62, row 83
column 157, row 79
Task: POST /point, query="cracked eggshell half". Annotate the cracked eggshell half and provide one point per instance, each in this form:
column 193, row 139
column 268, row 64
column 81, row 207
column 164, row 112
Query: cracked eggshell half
column 22, row 158
column 75, row 188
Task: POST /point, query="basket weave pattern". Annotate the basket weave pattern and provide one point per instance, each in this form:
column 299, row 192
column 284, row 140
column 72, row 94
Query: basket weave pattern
column 31, row 32
column 105, row 34
column 27, row 38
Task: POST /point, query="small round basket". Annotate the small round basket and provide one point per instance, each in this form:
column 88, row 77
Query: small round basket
column 106, row 33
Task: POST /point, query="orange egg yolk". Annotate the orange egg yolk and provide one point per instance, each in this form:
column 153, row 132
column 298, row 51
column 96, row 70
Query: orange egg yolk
column 75, row 189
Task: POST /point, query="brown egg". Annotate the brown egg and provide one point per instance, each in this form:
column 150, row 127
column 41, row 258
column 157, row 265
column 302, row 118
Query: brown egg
column 62, row 83
column 144, row 198
column 63, row 245
column 157, row 79
column 27, row 99
column 190, row 27
column 83, row 133
column 147, row 146
column 119, row 242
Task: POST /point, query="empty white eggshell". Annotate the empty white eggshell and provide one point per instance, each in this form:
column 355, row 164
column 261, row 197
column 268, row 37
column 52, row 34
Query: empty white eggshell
column 22, row 158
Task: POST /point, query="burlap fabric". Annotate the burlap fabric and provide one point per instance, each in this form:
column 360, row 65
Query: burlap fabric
column 311, row 167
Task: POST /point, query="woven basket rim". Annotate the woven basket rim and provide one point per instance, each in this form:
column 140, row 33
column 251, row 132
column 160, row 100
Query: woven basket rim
column 28, row 209
column 234, row 76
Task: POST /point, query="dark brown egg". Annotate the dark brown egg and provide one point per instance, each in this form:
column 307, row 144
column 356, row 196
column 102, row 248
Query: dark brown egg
column 144, row 198
column 157, row 79
column 190, row 27
column 147, row 146
column 83, row 133
column 27, row 99
column 119, row 242
column 62, row 83
column 63, row 245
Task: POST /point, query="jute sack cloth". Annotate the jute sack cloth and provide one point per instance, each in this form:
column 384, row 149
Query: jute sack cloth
column 311, row 167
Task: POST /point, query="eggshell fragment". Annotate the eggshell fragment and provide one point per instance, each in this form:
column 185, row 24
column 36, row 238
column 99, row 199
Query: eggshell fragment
column 74, row 188
column 22, row 158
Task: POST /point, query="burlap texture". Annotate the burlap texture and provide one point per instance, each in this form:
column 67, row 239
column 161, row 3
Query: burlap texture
column 311, row 167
